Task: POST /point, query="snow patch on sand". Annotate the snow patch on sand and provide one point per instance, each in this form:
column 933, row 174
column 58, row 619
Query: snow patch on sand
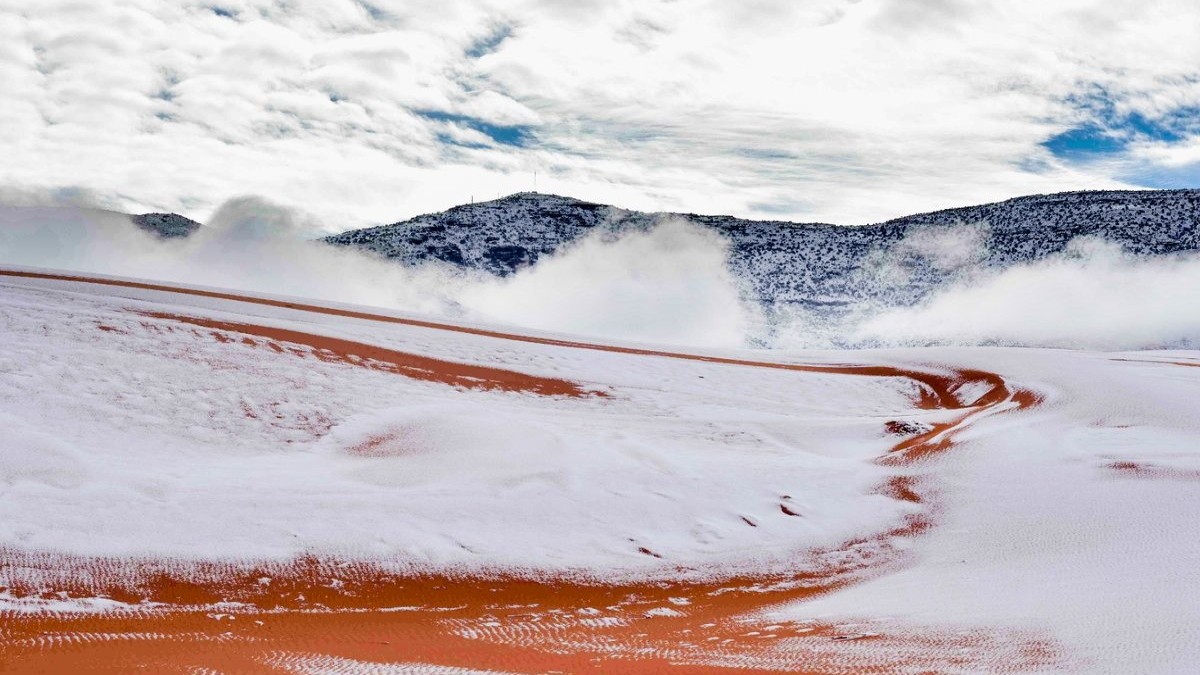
column 1038, row 531
column 193, row 444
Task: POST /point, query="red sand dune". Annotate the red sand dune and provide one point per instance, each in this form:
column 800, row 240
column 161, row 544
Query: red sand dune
column 330, row 609
column 336, row 350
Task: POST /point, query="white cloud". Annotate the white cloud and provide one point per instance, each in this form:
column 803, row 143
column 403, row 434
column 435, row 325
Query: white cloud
column 832, row 110
column 1091, row 297
column 669, row 284
column 1171, row 156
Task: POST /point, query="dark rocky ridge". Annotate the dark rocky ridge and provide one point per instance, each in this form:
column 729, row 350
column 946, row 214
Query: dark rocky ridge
column 817, row 266
column 166, row 225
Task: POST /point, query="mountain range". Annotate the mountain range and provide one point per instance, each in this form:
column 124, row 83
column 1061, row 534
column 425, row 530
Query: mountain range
column 820, row 267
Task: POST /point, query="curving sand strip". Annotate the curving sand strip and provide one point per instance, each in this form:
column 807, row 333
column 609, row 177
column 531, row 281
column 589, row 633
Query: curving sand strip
column 428, row 369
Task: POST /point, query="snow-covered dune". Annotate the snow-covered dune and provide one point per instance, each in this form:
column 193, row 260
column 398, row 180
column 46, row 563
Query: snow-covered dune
column 202, row 480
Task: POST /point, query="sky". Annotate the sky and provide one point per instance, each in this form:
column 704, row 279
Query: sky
column 358, row 112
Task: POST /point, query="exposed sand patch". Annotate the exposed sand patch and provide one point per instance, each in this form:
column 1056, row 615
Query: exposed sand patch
column 356, row 611
column 180, row 619
column 336, row 350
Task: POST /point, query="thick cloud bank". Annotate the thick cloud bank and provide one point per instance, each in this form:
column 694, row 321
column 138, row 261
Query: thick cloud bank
column 361, row 110
column 1093, row 296
column 668, row 284
column 250, row 245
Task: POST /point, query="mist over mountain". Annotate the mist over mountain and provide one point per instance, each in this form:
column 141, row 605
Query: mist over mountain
column 817, row 266
column 1111, row 270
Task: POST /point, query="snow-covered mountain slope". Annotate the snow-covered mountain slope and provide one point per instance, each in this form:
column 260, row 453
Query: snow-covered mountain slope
column 195, row 480
column 815, row 266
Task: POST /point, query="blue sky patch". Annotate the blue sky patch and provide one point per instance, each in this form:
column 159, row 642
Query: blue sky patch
column 516, row 135
column 1085, row 142
column 1109, row 133
column 490, row 42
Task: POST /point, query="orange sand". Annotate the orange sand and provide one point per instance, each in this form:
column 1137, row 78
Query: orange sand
column 330, row 609
column 335, row 350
